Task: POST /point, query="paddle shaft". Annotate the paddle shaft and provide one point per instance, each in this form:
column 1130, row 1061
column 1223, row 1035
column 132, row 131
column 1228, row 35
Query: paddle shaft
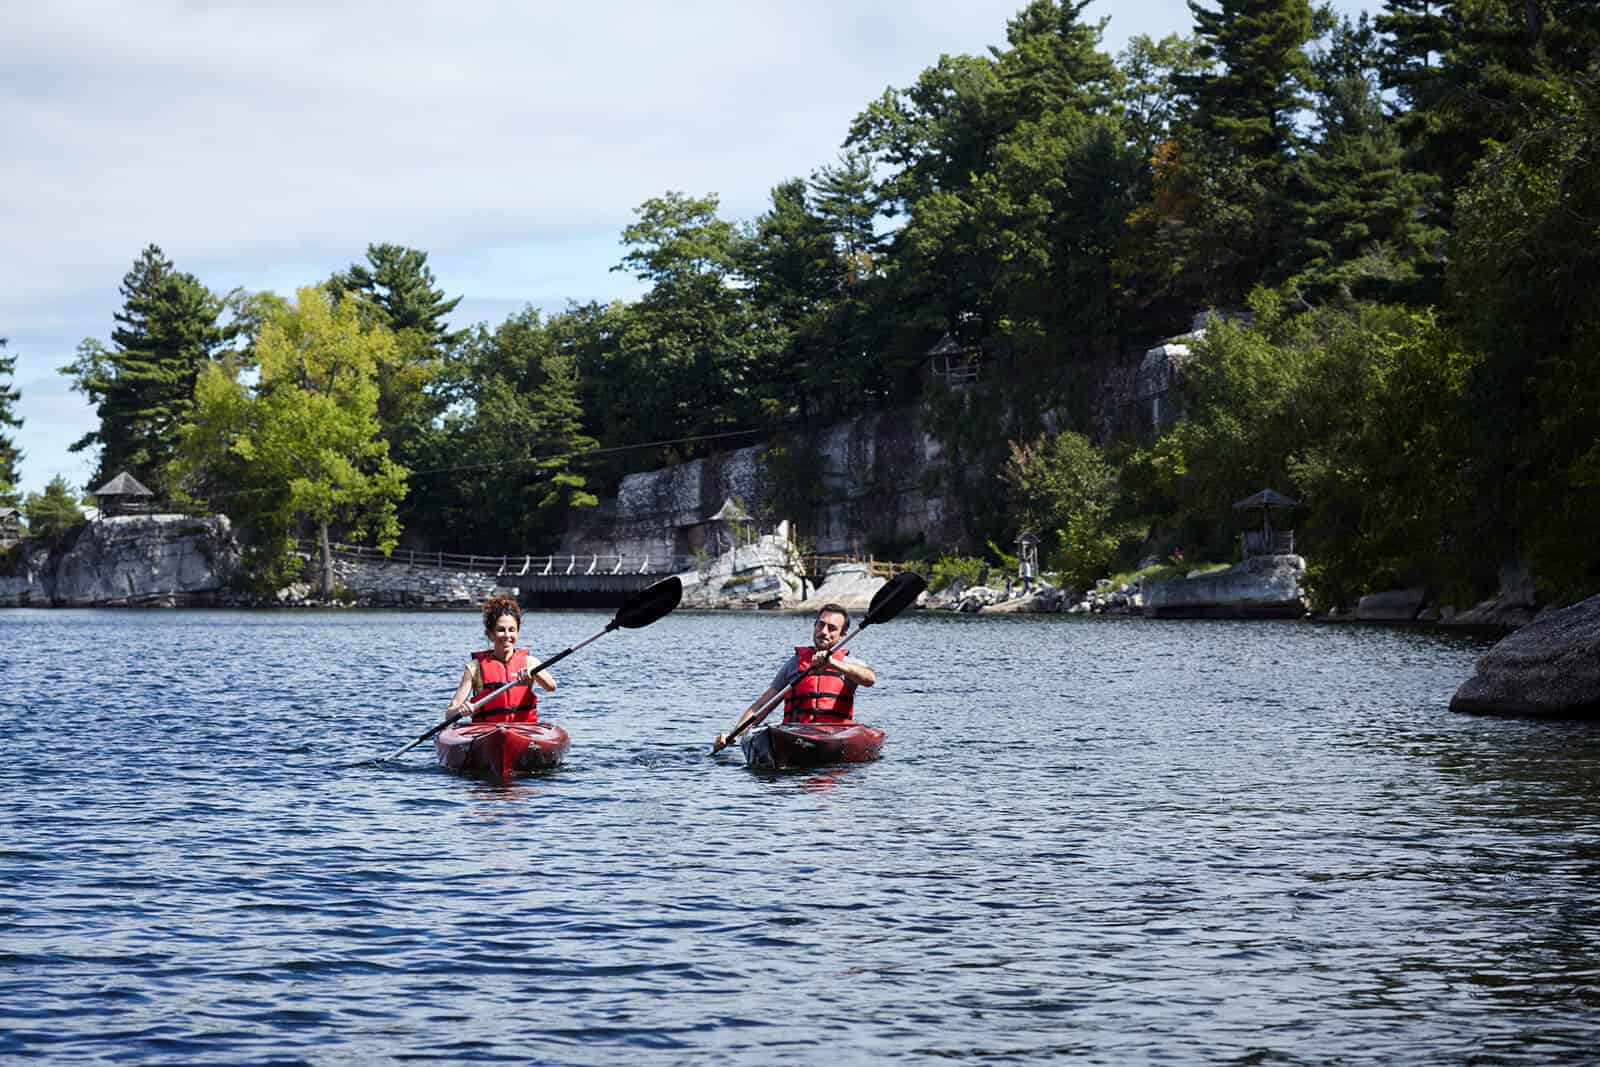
column 476, row 704
column 777, row 698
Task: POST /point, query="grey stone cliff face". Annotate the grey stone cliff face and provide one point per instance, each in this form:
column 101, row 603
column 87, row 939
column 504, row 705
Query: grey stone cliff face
column 872, row 470
column 1549, row 667
column 146, row 560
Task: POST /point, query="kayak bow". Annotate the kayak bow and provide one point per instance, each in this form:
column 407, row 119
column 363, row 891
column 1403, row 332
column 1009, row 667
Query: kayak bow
column 500, row 750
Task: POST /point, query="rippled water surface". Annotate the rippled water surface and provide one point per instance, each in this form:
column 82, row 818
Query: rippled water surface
column 1106, row 840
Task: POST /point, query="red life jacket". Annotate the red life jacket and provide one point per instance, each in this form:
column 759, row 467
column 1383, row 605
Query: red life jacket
column 826, row 696
column 517, row 704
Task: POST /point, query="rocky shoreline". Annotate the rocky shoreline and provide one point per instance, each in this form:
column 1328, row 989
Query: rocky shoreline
column 1548, row 666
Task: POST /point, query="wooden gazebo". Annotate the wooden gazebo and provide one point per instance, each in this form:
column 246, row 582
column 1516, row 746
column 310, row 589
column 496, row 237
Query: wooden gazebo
column 1266, row 541
column 123, row 495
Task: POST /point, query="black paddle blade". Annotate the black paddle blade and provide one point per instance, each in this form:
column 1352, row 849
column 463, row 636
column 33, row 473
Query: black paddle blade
column 648, row 605
column 897, row 594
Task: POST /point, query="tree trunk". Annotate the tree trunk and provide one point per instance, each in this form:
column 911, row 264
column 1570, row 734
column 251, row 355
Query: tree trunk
column 327, row 561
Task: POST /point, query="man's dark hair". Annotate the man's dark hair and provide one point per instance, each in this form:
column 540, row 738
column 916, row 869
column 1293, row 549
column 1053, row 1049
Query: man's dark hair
column 834, row 609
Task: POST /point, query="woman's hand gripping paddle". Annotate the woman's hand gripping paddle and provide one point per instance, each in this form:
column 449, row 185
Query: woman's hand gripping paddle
column 642, row 609
column 899, row 593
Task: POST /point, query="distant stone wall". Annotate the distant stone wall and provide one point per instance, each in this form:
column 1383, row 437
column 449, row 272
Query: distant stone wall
column 872, row 469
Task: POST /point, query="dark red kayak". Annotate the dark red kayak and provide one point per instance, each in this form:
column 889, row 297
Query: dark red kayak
column 501, row 750
column 793, row 746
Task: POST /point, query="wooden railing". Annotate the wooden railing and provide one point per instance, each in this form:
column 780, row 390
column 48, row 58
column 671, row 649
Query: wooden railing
column 564, row 564
column 816, row 566
column 1265, row 543
column 573, row 564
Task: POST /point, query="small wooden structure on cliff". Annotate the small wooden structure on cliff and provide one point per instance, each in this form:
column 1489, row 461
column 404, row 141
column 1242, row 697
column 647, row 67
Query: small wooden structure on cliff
column 10, row 527
column 123, row 495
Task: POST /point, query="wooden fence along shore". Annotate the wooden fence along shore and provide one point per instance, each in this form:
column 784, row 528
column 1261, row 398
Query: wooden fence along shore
column 572, row 565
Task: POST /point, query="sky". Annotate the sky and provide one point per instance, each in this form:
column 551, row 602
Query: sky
column 265, row 145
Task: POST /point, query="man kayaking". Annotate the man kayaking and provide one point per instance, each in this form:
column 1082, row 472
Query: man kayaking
column 502, row 623
column 827, row 681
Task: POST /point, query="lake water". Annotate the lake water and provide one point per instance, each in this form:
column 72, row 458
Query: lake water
column 1098, row 840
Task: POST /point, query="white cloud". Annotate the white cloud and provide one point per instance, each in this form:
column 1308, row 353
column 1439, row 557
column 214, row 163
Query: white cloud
column 265, row 145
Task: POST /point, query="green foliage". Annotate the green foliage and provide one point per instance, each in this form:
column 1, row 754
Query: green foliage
column 397, row 289
column 143, row 387
column 304, row 447
column 53, row 514
column 1064, row 489
column 948, row 569
column 10, row 456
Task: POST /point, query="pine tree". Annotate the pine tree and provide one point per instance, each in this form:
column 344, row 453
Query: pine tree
column 1243, row 140
column 143, row 388
column 398, row 282
column 1366, row 236
column 10, row 456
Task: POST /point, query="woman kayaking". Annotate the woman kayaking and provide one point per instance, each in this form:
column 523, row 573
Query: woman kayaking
column 502, row 622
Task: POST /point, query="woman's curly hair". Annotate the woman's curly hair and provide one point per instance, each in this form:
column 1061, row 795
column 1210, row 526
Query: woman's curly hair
column 495, row 607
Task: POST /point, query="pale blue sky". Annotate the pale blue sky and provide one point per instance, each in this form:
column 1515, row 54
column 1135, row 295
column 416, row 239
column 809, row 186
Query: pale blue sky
column 264, row 145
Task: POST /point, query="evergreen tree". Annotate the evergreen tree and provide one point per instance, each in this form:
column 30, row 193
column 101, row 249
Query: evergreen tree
column 10, row 456
column 53, row 514
column 398, row 290
column 143, row 387
column 398, row 282
column 793, row 263
column 1242, row 140
column 516, row 443
column 691, row 351
column 1361, row 207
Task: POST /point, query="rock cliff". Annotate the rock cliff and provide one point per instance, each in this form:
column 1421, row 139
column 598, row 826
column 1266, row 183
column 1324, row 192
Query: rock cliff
column 145, row 560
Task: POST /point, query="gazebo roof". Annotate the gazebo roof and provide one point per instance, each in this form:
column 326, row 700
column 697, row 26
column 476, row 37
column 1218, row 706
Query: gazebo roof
column 123, row 484
column 1267, row 498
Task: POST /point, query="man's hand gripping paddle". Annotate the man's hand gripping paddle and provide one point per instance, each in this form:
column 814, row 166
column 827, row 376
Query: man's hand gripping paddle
column 899, row 593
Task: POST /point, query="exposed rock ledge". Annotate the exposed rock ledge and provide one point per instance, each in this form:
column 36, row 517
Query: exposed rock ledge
column 128, row 560
column 1549, row 667
column 1262, row 587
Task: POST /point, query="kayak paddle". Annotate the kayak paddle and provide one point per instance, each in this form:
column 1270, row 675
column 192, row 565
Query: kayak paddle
column 897, row 594
column 642, row 609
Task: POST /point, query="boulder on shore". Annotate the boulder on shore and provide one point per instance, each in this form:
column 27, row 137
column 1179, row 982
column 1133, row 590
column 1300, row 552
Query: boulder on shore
column 1549, row 667
column 1262, row 587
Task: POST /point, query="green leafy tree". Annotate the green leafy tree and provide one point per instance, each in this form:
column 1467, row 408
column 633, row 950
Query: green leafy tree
column 10, row 455
column 517, row 438
column 1154, row 105
column 304, row 447
column 1524, row 265
column 1064, row 488
column 53, row 514
column 692, row 351
column 170, row 327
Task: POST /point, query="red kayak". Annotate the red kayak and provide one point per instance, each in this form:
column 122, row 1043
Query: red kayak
column 791, row 746
column 501, row 750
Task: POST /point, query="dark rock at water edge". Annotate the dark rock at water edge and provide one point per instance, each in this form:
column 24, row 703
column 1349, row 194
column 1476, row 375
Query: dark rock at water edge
column 1262, row 587
column 1550, row 667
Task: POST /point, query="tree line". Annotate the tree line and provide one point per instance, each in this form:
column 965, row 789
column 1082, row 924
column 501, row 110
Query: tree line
column 1405, row 203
